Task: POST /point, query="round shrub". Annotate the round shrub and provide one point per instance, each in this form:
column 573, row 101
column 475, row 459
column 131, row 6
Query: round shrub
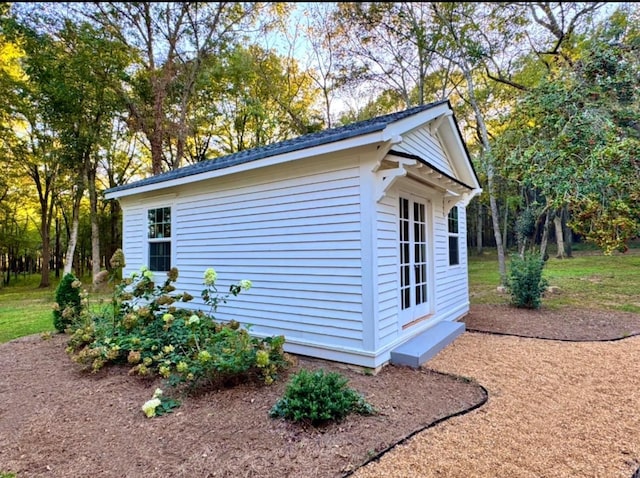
column 317, row 397
column 67, row 302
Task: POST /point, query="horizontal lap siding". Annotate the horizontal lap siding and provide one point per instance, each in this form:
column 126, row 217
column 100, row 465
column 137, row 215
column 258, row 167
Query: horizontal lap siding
column 297, row 239
column 420, row 142
column 452, row 289
column 387, row 232
column 450, row 282
column 133, row 233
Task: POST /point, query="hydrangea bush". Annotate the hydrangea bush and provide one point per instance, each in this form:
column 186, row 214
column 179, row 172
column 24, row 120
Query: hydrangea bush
column 149, row 328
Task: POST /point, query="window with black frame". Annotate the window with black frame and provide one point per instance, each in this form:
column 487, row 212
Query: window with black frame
column 159, row 223
column 454, row 237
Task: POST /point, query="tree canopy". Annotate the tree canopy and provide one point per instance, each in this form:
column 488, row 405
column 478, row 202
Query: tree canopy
column 98, row 93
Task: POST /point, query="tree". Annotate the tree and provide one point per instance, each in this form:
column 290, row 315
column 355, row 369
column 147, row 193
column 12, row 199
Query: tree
column 169, row 42
column 575, row 136
column 260, row 98
column 391, row 45
column 77, row 75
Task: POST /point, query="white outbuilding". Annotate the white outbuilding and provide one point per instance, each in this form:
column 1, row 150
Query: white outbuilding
column 354, row 237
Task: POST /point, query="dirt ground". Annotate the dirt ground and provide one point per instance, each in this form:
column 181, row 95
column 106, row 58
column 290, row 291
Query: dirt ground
column 57, row 421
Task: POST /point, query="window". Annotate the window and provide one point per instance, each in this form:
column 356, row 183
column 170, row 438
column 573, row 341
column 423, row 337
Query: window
column 454, row 244
column 159, row 221
column 413, row 253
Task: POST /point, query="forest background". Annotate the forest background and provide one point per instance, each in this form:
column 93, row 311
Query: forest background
column 94, row 95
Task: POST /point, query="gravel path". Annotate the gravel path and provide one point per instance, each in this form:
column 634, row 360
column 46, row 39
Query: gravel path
column 555, row 409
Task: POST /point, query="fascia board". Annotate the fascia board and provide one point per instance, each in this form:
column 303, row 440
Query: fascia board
column 336, row 146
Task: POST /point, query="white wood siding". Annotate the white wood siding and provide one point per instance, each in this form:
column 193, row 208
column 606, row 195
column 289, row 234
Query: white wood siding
column 297, row 238
column 388, row 287
column 421, row 143
column 134, row 234
column 452, row 282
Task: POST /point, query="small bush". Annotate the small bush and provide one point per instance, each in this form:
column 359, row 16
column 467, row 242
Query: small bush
column 67, row 305
column 525, row 281
column 317, row 397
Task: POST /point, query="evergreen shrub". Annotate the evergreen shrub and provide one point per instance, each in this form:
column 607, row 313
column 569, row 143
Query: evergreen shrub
column 67, row 305
column 525, row 282
column 316, row 397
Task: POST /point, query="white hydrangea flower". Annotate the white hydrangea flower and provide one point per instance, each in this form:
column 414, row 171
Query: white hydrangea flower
column 167, row 317
column 149, row 407
column 194, row 319
column 245, row 284
column 157, row 393
column 210, row 276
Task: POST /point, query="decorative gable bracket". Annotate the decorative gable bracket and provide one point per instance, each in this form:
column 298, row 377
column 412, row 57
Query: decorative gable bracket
column 385, row 178
column 452, row 198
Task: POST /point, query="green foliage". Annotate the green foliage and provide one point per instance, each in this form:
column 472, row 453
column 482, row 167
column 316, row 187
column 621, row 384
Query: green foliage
column 573, row 139
column 67, row 302
column 147, row 328
column 318, row 397
column 525, row 280
column 526, row 224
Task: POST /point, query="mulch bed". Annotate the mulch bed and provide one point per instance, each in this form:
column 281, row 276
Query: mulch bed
column 570, row 324
column 57, row 421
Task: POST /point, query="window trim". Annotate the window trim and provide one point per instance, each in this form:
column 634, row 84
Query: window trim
column 453, row 235
column 158, row 240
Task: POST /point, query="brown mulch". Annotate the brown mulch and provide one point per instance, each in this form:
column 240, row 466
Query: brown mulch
column 569, row 324
column 57, row 421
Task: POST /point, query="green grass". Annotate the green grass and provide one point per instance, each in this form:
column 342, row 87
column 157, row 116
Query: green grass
column 26, row 309
column 589, row 280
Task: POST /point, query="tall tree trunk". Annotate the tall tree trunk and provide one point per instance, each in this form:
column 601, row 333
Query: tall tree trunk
column 45, row 226
column 557, row 222
column 73, row 236
column 490, row 170
column 479, row 230
column 95, row 228
column 115, row 238
column 545, row 235
column 504, row 225
column 568, row 233
column 57, row 252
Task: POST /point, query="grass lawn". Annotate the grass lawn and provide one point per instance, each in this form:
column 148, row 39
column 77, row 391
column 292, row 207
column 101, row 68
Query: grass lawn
column 25, row 309
column 589, row 279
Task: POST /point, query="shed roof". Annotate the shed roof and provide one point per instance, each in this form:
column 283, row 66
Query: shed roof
column 295, row 144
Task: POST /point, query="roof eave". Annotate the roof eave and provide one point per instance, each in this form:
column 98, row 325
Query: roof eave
column 349, row 143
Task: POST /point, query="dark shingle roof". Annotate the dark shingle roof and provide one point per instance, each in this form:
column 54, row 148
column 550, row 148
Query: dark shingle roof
column 302, row 142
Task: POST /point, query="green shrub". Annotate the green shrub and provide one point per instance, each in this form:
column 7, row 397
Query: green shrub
column 525, row 281
column 149, row 329
column 67, row 305
column 317, row 397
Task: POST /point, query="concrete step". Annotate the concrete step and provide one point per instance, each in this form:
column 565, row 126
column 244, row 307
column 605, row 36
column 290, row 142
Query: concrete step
column 421, row 348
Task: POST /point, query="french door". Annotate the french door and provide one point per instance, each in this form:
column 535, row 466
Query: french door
column 414, row 259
